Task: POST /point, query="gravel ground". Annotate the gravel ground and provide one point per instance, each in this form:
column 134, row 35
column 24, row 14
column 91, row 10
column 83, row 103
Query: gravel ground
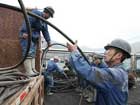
column 73, row 98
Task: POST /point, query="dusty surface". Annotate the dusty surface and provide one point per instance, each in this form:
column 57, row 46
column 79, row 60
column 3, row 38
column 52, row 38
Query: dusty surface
column 70, row 98
column 73, row 98
column 134, row 95
column 10, row 49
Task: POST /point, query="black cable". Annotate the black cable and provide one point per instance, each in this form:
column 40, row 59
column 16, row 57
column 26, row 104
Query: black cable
column 59, row 86
column 47, row 49
column 64, row 86
column 41, row 18
column 31, row 14
column 9, row 80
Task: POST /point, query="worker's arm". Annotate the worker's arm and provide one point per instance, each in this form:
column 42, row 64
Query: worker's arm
column 23, row 30
column 99, row 77
column 46, row 34
column 61, row 70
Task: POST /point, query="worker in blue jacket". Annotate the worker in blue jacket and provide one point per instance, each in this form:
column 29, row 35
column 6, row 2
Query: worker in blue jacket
column 37, row 26
column 52, row 66
column 111, row 82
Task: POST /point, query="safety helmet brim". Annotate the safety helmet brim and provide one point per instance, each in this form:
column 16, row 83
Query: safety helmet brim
column 110, row 46
column 49, row 10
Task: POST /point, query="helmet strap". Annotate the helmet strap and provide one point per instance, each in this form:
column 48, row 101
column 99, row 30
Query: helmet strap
column 110, row 61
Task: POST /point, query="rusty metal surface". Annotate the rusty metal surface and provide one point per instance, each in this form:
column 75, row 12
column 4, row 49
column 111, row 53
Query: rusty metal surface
column 10, row 22
column 10, row 50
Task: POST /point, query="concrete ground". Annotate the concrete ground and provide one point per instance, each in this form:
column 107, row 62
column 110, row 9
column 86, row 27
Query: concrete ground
column 73, row 98
column 134, row 95
column 70, row 98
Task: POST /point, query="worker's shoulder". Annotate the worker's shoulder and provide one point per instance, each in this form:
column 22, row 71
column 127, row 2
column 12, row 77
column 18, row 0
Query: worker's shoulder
column 35, row 11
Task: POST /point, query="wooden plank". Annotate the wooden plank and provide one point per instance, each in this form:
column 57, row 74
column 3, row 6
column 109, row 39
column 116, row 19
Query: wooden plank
column 23, row 93
column 32, row 94
column 14, row 97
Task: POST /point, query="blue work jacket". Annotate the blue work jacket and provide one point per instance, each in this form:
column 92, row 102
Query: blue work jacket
column 111, row 83
column 36, row 25
column 53, row 66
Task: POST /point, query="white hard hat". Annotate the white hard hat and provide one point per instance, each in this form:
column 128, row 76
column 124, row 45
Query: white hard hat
column 51, row 59
column 56, row 58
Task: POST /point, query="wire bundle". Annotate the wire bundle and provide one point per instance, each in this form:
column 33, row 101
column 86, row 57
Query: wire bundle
column 11, row 82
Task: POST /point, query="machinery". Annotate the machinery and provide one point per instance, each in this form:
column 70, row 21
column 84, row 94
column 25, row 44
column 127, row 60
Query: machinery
column 132, row 65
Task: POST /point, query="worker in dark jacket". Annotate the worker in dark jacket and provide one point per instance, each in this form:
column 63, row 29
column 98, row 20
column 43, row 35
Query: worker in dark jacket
column 111, row 82
column 37, row 26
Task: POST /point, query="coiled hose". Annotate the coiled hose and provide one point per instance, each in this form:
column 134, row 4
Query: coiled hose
column 63, row 85
column 11, row 82
column 34, row 15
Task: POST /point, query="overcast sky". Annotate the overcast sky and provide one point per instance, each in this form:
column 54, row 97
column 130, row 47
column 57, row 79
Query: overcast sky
column 94, row 23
